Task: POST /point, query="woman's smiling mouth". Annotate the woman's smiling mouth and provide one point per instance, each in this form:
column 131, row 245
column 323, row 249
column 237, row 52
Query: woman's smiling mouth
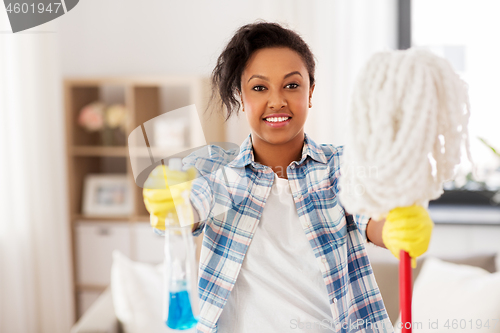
column 277, row 120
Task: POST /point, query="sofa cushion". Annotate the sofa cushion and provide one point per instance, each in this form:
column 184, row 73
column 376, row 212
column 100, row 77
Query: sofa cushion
column 387, row 276
column 450, row 297
column 137, row 290
column 99, row 318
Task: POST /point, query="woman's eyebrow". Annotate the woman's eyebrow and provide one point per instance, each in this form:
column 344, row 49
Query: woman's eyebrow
column 267, row 79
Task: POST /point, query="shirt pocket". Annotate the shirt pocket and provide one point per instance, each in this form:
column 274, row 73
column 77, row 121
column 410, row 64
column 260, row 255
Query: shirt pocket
column 323, row 195
column 337, row 228
column 332, row 217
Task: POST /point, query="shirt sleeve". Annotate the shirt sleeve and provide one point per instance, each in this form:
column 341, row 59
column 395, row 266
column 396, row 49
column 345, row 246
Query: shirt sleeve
column 207, row 160
column 201, row 195
column 361, row 222
column 202, row 200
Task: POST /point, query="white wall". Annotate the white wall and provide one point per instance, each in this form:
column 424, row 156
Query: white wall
column 161, row 37
column 153, row 37
column 120, row 37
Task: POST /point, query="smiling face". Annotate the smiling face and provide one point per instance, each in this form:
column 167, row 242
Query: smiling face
column 275, row 81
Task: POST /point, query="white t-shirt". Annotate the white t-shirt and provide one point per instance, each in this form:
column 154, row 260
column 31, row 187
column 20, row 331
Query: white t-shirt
column 279, row 287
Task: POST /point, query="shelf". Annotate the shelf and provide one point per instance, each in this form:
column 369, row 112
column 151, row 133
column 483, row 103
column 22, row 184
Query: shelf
column 141, row 218
column 85, row 218
column 465, row 214
column 158, row 151
column 124, row 151
column 144, row 80
column 144, row 98
column 118, row 151
column 88, row 287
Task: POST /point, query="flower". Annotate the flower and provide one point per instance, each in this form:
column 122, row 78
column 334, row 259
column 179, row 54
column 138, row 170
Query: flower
column 91, row 116
column 116, row 116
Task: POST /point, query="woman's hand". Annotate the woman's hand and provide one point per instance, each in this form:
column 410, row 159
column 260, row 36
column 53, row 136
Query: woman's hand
column 161, row 196
column 409, row 229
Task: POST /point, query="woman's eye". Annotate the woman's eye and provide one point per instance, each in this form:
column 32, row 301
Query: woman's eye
column 258, row 88
column 290, row 85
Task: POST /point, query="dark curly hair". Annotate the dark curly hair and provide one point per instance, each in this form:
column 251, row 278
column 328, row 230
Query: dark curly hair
column 226, row 76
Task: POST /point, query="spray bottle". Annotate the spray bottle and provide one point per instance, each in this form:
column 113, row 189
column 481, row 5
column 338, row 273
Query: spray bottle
column 180, row 299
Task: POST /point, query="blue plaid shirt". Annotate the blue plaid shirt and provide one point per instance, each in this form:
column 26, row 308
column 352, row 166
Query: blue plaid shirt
column 230, row 197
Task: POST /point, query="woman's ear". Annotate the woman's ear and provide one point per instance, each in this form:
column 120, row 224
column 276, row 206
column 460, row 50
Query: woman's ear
column 311, row 94
column 311, row 91
column 241, row 99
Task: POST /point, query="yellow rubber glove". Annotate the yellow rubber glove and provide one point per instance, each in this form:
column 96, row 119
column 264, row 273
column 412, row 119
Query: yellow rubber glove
column 408, row 228
column 159, row 194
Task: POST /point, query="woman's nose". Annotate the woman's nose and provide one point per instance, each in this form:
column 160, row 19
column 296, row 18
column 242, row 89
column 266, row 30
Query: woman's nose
column 276, row 101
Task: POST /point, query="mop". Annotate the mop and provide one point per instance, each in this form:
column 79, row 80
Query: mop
column 408, row 122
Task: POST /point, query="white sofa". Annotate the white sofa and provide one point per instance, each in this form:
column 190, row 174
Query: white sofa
column 101, row 318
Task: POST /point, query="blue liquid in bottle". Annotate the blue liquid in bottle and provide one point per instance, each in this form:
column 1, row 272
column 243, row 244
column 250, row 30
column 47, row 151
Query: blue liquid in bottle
column 180, row 314
column 179, row 261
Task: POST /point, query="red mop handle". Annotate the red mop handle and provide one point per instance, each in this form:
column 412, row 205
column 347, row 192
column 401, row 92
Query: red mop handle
column 405, row 290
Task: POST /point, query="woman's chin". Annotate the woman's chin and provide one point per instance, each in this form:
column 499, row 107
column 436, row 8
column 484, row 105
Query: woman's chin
column 277, row 138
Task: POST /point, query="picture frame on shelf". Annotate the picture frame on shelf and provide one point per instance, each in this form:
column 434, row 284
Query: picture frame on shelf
column 107, row 195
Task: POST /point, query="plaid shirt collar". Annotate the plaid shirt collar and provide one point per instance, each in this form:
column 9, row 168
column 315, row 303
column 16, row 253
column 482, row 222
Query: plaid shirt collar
column 246, row 155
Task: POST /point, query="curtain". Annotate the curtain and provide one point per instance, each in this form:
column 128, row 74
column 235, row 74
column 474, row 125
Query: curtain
column 346, row 33
column 35, row 274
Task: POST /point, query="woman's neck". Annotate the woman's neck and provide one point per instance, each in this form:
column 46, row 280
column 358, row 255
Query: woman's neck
column 278, row 157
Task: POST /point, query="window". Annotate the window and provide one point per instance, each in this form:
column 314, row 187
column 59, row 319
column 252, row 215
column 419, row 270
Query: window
column 467, row 34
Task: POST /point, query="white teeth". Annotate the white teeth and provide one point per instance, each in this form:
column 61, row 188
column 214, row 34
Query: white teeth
column 277, row 119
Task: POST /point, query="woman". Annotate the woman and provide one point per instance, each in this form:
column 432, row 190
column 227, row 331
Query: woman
column 279, row 253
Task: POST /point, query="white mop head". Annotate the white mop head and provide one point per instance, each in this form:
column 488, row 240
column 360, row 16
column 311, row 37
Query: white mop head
column 408, row 120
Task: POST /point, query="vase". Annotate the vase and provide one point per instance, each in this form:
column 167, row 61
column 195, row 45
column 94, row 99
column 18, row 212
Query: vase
column 107, row 137
column 112, row 137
